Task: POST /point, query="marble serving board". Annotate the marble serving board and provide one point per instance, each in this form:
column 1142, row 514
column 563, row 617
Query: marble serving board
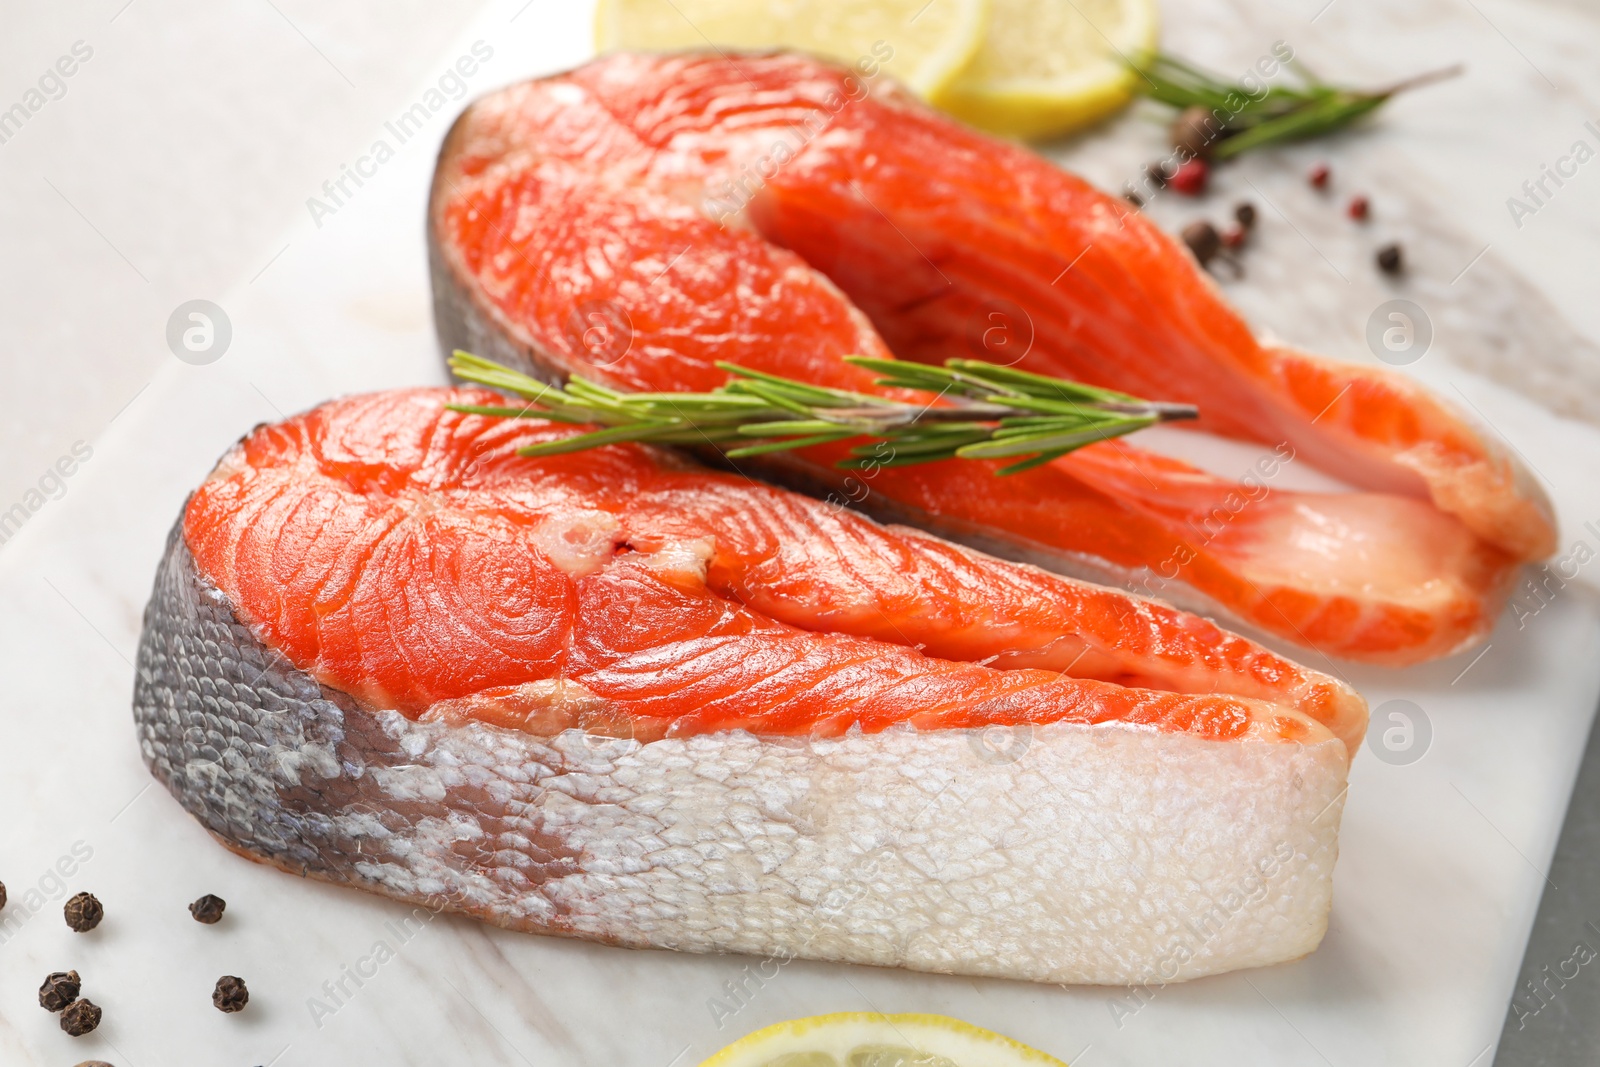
column 1443, row 857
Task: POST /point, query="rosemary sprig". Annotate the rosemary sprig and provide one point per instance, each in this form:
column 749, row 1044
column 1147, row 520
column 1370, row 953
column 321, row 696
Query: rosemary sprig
column 994, row 413
column 1281, row 113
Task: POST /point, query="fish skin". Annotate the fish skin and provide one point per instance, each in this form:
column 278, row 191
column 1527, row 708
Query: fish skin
column 719, row 841
column 570, row 178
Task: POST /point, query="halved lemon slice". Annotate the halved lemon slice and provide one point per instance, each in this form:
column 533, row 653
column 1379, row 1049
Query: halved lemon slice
column 1051, row 66
column 867, row 1039
column 924, row 43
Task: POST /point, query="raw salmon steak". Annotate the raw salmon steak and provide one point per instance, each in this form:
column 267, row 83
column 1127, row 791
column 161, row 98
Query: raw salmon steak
column 613, row 695
column 643, row 217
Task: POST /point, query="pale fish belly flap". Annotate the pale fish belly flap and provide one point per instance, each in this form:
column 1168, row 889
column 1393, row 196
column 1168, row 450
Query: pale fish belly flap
column 1069, row 853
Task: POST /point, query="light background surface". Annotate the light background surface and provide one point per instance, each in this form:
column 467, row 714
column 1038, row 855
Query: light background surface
column 177, row 166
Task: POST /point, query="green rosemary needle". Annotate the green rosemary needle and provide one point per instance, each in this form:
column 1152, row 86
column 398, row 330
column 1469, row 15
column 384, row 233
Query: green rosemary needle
column 1245, row 120
column 994, row 412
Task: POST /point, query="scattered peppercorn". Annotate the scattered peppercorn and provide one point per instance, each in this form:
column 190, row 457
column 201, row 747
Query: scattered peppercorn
column 1233, row 237
column 1195, row 130
column 60, row 989
column 1359, row 208
column 2, row 894
column 80, row 1017
column 1203, row 240
column 208, row 909
column 1190, row 178
column 1157, row 173
column 230, row 994
column 1246, row 214
column 1390, row 260
column 1318, row 176
column 1133, row 198
column 84, row 912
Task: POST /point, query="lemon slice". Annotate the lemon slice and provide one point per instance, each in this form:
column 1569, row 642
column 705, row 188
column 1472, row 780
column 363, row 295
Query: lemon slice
column 865, row 1039
column 1050, row 66
column 923, row 43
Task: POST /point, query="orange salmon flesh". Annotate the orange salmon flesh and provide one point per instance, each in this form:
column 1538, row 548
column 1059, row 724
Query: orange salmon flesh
column 405, row 554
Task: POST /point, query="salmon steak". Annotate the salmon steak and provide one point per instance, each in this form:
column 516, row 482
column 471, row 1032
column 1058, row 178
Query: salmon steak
column 618, row 696
column 643, row 217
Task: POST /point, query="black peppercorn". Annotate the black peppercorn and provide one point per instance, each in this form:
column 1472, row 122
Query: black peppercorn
column 2, row 894
column 59, row 990
column 1203, row 240
column 230, row 994
column 80, row 1017
column 84, row 912
column 1389, row 260
column 1195, row 130
column 208, row 909
column 1246, row 214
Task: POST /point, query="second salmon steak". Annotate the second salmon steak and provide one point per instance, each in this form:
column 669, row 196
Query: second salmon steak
column 643, row 217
